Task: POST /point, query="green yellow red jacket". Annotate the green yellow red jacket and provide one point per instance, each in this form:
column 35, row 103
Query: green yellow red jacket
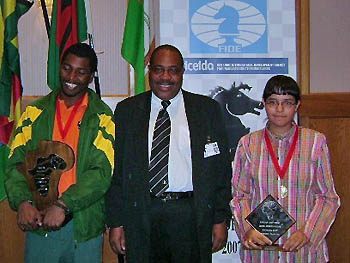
column 95, row 161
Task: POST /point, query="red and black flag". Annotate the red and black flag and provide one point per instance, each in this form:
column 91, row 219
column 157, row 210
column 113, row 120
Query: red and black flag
column 68, row 27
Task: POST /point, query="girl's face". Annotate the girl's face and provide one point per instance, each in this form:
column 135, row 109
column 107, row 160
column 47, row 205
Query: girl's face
column 280, row 110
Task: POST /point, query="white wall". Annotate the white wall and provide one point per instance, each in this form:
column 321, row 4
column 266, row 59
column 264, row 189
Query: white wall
column 329, row 46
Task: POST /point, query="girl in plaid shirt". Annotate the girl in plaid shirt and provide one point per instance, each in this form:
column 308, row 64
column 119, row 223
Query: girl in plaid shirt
column 292, row 164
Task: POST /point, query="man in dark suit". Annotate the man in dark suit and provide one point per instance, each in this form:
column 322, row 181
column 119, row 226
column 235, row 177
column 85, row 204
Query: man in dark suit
column 169, row 198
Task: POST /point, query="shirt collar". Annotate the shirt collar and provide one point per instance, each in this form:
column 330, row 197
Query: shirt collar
column 83, row 104
column 286, row 136
column 157, row 101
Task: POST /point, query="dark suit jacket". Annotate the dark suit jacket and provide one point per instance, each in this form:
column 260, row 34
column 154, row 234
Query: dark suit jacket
column 128, row 199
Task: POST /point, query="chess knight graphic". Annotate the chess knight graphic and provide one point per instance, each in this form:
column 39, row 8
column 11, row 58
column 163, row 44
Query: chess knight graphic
column 234, row 102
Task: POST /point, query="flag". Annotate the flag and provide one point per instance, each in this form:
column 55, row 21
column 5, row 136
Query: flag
column 68, row 27
column 149, row 32
column 10, row 81
column 133, row 47
column 4, row 152
column 139, row 40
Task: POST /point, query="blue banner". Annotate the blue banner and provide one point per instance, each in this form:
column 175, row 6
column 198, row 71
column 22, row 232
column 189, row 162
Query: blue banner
column 236, row 65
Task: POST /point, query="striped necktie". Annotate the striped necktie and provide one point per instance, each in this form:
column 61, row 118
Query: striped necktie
column 158, row 167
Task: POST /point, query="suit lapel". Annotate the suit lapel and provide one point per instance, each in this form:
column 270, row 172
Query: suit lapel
column 141, row 122
column 196, row 131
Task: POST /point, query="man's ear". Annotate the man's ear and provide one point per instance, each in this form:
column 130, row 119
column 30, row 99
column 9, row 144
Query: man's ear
column 297, row 106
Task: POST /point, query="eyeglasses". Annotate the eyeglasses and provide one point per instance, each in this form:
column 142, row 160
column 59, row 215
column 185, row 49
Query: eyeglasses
column 285, row 103
column 161, row 70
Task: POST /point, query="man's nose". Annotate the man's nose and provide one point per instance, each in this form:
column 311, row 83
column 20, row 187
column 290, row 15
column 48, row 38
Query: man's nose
column 165, row 74
column 72, row 75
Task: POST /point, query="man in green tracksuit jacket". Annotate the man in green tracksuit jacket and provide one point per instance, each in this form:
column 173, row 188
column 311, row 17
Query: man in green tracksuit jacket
column 48, row 237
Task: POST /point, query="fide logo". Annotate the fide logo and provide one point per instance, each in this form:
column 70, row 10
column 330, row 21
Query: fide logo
column 228, row 26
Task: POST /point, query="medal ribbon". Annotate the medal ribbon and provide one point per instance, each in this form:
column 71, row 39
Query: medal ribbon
column 64, row 131
column 281, row 171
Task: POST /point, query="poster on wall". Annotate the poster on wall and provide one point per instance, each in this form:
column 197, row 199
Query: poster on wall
column 230, row 49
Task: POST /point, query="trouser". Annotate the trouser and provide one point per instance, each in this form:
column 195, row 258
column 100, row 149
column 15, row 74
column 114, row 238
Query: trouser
column 173, row 232
column 60, row 247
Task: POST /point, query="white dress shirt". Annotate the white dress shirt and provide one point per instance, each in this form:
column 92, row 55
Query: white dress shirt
column 180, row 162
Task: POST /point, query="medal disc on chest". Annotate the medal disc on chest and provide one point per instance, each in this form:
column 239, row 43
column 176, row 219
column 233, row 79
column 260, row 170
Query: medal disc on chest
column 284, row 191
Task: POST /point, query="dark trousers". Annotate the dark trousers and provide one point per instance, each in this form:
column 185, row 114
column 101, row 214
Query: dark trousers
column 173, row 232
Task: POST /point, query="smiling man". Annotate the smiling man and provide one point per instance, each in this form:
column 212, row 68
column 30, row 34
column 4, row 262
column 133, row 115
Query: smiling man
column 70, row 228
column 169, row 196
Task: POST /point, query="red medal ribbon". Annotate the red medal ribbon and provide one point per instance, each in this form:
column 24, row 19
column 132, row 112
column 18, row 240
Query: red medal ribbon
column 64, row 131
column 281, row 172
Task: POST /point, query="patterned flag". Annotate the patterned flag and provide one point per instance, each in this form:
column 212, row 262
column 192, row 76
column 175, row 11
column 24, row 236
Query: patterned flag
column 138, row 41
column 10, row 81
column 68, row 27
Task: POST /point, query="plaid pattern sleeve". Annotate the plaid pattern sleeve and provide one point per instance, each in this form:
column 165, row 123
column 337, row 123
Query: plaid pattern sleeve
column 242, row 190
column 326, row 199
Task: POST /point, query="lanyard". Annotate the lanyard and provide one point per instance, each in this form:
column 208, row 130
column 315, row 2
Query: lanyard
column 64, row 130
column 281, row 171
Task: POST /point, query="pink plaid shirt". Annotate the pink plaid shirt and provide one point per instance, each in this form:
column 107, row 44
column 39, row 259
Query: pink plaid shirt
column 311, row 198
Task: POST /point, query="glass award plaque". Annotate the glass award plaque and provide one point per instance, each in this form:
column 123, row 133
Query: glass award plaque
column 270, row 219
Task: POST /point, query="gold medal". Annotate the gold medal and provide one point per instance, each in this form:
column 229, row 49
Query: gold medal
column 284, row 191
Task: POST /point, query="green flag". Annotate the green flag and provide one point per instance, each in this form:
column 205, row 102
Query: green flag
column 68, row 27
column 133, row 42
column 4, row 152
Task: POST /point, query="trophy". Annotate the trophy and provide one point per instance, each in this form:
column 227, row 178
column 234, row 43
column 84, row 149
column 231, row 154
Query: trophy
column 270, row 219
column 43, row 168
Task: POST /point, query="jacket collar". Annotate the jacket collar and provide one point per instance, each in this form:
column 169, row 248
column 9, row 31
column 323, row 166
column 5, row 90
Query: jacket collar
column 49, row 102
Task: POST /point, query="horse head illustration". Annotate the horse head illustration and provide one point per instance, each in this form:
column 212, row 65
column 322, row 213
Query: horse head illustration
column 234, row 102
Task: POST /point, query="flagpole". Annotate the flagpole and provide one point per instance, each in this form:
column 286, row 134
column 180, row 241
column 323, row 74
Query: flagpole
column 96, row 77
column 46, row 17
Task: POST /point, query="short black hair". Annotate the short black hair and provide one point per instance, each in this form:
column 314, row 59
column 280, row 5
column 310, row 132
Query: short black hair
column 167, row 47
column 82, row 50
column 282, row 85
